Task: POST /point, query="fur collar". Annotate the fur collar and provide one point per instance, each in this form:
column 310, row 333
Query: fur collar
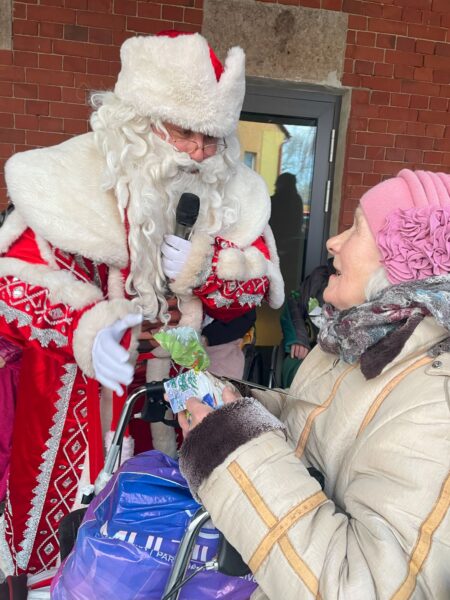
column 57, row 192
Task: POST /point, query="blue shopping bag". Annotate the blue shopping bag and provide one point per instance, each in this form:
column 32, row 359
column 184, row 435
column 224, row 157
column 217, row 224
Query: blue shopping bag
column 130, row 534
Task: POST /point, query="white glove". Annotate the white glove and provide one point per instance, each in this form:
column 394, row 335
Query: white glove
column 175, row 251
column 110, row 360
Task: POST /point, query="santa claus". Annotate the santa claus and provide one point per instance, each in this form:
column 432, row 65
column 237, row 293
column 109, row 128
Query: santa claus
column 89, row 252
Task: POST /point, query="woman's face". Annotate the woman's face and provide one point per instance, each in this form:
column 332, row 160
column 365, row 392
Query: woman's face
column 356, row 258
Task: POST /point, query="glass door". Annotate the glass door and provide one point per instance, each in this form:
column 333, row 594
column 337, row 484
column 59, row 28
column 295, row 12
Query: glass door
column 287, row 135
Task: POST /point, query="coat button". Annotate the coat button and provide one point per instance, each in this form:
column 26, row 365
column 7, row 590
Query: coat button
column 437, row 364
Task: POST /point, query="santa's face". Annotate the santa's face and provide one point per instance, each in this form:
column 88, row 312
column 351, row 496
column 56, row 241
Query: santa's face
column 197, row 145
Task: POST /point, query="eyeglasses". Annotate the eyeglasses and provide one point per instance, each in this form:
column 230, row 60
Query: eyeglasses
column 210, row 146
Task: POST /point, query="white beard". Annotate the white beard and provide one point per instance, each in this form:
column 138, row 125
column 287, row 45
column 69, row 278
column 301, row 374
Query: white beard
column 155, row 184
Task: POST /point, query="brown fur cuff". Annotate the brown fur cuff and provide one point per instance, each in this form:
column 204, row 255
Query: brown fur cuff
column 219, row 434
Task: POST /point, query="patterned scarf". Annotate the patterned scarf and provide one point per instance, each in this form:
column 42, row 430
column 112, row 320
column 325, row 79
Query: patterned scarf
column 376, row 331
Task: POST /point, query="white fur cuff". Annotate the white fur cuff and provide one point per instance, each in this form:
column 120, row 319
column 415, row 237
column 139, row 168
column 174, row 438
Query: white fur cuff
column 241, row 265
column 100, row 316
column 198, row 266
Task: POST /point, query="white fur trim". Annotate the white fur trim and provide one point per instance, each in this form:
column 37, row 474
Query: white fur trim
column 254, row 206
column 62, row 285
column 191, row 309
column 100, row 316
column 197, row 267
column 116, row 284
column 127, row 446
column 45, row 251
column 58, row 192
column 276, row 292
column 241, row 265
column 11, row 230
column 173, row 79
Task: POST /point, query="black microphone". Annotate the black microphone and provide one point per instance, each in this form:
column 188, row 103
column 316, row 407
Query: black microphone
column 186, row 215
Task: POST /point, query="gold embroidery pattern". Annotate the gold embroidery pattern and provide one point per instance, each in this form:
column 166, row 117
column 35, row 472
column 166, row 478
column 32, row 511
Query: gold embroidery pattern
column 423, row 544
column 278, row 529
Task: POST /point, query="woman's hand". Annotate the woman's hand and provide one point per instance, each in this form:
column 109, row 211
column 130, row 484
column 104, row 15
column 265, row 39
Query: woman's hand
column 298, row 351
column 196, row 410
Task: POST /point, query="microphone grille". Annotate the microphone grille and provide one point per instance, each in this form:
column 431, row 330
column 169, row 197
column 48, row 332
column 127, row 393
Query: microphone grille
column 187, row 209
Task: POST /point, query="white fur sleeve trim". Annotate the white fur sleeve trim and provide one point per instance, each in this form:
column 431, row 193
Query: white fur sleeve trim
column 63, row 286
column 11, row 230
column 101, row 315
column 241, row 265
column 198, row 265
column 276, row 293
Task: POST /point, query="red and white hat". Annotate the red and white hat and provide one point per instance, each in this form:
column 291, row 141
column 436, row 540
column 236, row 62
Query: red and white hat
column 177, row 78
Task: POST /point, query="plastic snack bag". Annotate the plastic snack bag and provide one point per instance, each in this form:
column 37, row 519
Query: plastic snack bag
column 184, row 347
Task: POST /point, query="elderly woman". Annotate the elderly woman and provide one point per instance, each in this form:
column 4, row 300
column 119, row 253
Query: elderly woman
column 369, row 408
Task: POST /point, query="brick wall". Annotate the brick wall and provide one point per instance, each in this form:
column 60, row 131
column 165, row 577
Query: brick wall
column 397, row 63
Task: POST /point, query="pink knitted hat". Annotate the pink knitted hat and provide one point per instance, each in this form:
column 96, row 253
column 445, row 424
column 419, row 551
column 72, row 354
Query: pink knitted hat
column 409, row 216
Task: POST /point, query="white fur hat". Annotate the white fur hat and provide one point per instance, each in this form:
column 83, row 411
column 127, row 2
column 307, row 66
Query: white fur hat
column 175, row 80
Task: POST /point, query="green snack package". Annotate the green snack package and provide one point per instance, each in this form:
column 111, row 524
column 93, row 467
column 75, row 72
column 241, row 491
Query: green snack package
column 184, row 347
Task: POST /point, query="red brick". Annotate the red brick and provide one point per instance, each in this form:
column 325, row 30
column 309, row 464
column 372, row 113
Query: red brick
column 52, row 14
column 405, row 44
column 394, row 113
column 102, row 6
column 378, row 125
column 181, row 2
column 419, row 101
column 355, row 179
column 50, row 124
column 386, row 167
column 365, row 110
column 369, row 138
column 385, row 40
column 441, row 76
column 442, row 145
column 442, row 49
column 372, row 54
column 326, row 4
column 25, row 90
column 412, row 15
column 94, row 82
column 52, row 2
column 76, row 49
column 37, row 107
column 356, row 7
column 423, row 74
column 400, row 100
column 148, row 25
column 415, row 128
column 413, row 142
column 6, row 89
column 19, row 10
column 74, row 63
column 49, row 77
column 414, row 156
column 50, row 61
column 397, row 154
column 110, row 52
column 365, row 38
column 32, row 44
column 12, row 73
column 118, row 39
column 394, row 13
column 376, row 152
column 71, row 111
column 100, row 67
column 435, row 131
column 13, row 136
column 423, row 89
column 432, row 158
column 363, row 66
column 75, row 126
column 381, row 83
column 351, row 37
column 149, row 10
column 25, row 27
column 76, row 33
column 359, row 165
column 25, row 59
column 6, row 120
column 371, row 179
column 437, row 62
column 360, row 96
column 419, row 4
column 193, row 15
column 357, row 22
column 6, row 150
column 382, row 26
column 100, row 36
column 380, row 98
column 426, row 47
column 172, row 13
column 383, row 70
column 51, row 30
column 50, row 92
column 104, row 21
column 358, row 123
column 426, row 32
column 44, row 138
column 403, row 58
column 431, row 18
column 13, row 105
column 403, row 72
column 442, row 6
column 439, row 104
column 355, row 151
column 74, row 95
column 125, row 7
column 6, row 57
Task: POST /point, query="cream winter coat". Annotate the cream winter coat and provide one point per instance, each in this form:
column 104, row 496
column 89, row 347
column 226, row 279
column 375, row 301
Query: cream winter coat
column 380, row 529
